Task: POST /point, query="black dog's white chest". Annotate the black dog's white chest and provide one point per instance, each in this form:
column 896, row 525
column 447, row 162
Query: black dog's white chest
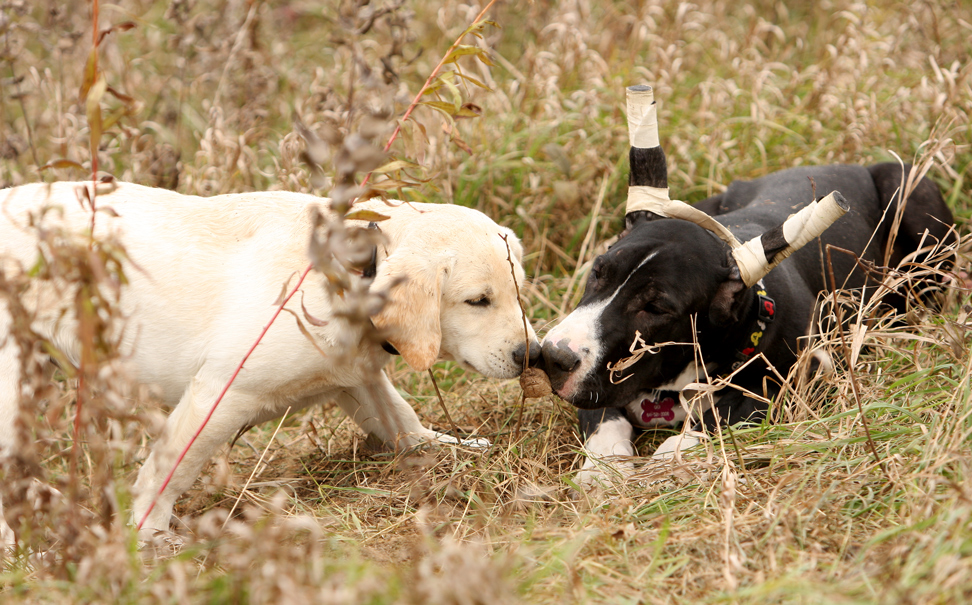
column 655, row 409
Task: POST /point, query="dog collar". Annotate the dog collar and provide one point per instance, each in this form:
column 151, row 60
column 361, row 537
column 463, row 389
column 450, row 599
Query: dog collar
column 369, row 273
column 371, row 270
column 664, row 408
column 765, row 312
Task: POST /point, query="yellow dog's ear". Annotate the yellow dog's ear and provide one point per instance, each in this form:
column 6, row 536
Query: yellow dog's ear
column 514, row 243
column 410, row 317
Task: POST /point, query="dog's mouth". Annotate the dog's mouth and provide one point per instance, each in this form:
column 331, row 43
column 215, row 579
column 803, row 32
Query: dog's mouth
column 597, row 390
column 469, row 366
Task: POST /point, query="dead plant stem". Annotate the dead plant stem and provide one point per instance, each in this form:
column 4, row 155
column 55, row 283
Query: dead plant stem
column 526, row 335
column 300, row 281
column 93, row 146
column 591, row 229
column 222, row 393
column 428, row 82
column 455, row 429
column 256, row 468
column 850, row 365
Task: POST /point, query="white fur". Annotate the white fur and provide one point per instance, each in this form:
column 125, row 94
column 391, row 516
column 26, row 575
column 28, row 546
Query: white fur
column 208, row 273
column 579, row 332
column 677, row 443
column 611, row 440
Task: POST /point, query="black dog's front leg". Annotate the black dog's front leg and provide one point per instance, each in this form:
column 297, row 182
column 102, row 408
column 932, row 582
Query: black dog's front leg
column 733, row 407
column 606, row 433
column 591, row 420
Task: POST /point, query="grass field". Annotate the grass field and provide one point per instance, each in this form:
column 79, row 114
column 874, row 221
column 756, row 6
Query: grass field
column 202, row 95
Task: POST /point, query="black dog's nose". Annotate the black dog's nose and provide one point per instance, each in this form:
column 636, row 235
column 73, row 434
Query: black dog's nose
column 559, row 362
column 520, row 353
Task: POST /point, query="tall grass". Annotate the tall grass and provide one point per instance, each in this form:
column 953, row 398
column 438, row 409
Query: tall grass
column 803, row 513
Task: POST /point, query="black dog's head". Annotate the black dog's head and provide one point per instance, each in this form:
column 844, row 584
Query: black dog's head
column 659, row 277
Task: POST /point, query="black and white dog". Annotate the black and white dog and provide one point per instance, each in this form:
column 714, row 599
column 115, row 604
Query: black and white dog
column 678, row 300
column 667, row 277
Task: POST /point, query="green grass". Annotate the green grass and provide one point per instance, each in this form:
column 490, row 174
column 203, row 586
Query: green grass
column 744, row 89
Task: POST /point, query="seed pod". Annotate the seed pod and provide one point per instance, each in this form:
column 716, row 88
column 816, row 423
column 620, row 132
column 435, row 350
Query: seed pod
column 535, row 383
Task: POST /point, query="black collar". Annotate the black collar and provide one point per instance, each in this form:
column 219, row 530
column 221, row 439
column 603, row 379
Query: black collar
column 765, row 313
column 370, row 272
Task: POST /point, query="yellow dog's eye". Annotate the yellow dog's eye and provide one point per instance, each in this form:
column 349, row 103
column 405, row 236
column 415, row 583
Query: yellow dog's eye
column 482, row 301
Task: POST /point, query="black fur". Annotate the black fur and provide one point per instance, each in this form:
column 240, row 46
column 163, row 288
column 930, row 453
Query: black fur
column 648, row 167
column 692, row 275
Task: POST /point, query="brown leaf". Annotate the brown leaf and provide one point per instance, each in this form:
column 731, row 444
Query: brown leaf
column 469, row 110
column 62, row 163
column 371, row 193
column 394, row 165
column 283, row 291
column 462, row 145
column 90, row 69
column 307, row 334
column 84, row 196
column 310, row 318
column 121, row 96
column 120, row 27
column 365, row 215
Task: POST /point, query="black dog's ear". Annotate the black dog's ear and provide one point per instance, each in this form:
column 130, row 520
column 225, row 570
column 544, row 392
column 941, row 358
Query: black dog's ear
column 633, row 219
column 727, row 304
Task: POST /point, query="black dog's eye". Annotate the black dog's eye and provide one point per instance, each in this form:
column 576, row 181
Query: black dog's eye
column 597, row 273
column 654, row 308
column 482, row 301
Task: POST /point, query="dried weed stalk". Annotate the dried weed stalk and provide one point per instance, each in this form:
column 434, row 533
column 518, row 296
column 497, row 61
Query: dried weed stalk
column 752, row 87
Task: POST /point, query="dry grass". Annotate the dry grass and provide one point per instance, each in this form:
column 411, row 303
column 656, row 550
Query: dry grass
column 801, row 512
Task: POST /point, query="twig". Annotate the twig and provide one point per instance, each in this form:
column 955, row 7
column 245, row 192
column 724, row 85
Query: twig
column 850, row 365
column 428, row 82
column 95, row 40
column 249, row 479
column 300, row 281
column 93, row 146
column 591, row 228
column 212, row 409
column 455, row 429
column 256, row 468
column 526, row 335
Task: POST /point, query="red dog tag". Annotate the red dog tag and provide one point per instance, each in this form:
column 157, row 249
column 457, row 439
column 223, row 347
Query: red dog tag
column 658, row 410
